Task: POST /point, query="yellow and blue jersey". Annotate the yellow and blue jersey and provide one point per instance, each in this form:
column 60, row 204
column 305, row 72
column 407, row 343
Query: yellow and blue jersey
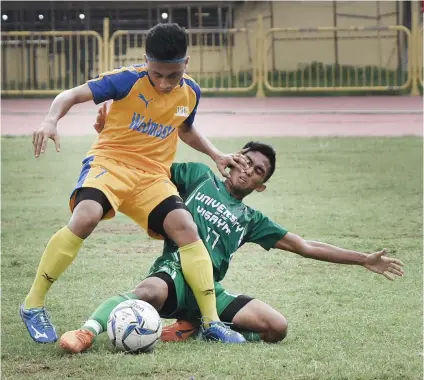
column 141, row 128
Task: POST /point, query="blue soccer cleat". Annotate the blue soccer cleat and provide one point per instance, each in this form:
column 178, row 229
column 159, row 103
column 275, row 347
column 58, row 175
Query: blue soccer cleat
column 37, row 322
column 219, row 332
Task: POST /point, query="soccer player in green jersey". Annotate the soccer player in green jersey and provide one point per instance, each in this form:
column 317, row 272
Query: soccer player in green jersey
column 225, row 223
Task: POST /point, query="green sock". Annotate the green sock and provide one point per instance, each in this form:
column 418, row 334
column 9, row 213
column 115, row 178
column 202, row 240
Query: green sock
column 250, row 336
column 97, row 323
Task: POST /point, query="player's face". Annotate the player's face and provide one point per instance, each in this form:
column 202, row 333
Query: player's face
column 165, row 76
column 252, row 178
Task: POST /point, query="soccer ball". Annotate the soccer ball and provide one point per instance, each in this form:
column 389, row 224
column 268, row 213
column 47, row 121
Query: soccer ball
column 134, row 326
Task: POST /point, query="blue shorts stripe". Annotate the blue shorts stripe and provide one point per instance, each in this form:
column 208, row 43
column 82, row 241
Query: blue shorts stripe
column 84, row 171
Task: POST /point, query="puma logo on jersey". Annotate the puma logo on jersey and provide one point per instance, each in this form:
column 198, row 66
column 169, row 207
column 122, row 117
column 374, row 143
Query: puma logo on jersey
column 208, row 292
column 182, row 111
column 141, row 96
column 38, row 334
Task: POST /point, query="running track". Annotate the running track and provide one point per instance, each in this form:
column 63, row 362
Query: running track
column 231, row 117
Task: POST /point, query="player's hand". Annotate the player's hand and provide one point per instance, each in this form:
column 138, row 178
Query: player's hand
column 101, row 118
column 48, row 130
column 232, row 160
column 379, row 263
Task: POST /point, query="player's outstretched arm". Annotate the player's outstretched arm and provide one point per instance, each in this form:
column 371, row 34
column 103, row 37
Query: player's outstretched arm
column 59, row 108
column 376, row 262
column 191, row 136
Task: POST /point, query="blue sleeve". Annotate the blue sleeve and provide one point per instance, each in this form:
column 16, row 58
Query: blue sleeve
column 112, row 85
column 195, row 87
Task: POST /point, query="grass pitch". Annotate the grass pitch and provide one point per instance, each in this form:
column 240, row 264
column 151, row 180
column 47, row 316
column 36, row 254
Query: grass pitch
column 344, row 322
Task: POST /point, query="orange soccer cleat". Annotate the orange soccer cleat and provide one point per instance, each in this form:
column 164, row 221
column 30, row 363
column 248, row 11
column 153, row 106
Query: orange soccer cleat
column 77, row 340
column 178, row 331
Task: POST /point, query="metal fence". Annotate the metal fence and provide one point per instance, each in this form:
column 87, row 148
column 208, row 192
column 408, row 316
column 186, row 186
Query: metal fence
column 214, row 62
column 49, row 62
column 239, row 61
column 419, row 60
column 330, row 59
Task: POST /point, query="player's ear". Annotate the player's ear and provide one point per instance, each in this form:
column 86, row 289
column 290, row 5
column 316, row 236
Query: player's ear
column 261, row 188
column 187, row 59
column 145, row 57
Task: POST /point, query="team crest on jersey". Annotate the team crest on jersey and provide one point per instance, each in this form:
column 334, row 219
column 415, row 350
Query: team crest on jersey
column 182, row 111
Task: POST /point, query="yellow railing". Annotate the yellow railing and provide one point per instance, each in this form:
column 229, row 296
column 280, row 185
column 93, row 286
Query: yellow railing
column 420, row 68
column 215, row 62
column 46, row 63
column 332, row 59
column 232, row 60
column 126, row 48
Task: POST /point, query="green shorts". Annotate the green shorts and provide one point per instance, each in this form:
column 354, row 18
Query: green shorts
column 181, row 303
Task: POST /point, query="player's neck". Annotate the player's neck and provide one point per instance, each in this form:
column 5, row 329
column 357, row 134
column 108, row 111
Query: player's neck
column 234, row 193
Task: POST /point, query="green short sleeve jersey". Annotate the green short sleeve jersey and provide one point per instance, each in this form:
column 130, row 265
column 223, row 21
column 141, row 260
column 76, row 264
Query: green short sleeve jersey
column 224, row 223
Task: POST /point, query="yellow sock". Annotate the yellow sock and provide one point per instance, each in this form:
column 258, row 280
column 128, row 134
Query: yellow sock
column 62, row 249
column 197, row 269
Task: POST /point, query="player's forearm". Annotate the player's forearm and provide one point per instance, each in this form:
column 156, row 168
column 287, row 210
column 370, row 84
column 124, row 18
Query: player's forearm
column 333, row 254
column 61, row 105
column 63, row 102
column 191, row 136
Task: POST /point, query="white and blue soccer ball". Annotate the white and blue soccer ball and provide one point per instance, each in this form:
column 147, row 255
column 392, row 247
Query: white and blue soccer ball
column 134, row 326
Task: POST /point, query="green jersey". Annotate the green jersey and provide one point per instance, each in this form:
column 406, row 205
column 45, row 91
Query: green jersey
column 224, row 223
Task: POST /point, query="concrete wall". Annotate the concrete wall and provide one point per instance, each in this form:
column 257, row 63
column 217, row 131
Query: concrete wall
column 208, row 60
column 288, row 51
column 36, row 67
column 22, row 63
column 291, row 50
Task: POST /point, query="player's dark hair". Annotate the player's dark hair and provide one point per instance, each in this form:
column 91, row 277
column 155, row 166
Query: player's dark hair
column 166, row 42
column 267, row 150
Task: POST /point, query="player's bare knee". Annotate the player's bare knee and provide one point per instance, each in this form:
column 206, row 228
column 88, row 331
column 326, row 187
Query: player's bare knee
column 276, row 330
column 85, row 218
column 187, row 227
column 180, row 227
column 152, row 291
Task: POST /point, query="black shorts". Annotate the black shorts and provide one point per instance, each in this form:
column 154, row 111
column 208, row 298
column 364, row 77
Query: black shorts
column 156, row 216
column 228, row 305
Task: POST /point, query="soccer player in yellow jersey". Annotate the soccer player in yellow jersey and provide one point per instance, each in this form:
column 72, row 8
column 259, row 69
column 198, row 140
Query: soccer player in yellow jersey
column 128, row 170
